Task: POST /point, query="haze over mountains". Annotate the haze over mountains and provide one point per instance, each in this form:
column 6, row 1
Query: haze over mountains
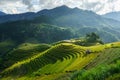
column 113, row 15
column 80, row 21
column 2, row 13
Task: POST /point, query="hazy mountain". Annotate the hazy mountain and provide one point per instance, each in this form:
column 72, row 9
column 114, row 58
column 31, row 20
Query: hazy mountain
column 16, row 17
column 31, row 15
column 113, row 15
column 78, row 21
column 2, row 13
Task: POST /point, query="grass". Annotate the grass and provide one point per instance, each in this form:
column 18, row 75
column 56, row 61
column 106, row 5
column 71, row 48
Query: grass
column 23, row 51
column 71, row 63
column 63, row 59
column 5, row 46
column 105, row 57
column 98, row 73
column 106, row 63
column 26, row 50
column 114, row 77
column 53, row 54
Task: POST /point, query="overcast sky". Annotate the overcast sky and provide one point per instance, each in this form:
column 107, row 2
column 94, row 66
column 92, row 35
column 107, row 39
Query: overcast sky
column 21, row 6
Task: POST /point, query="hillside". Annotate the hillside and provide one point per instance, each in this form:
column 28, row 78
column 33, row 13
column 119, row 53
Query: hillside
column 56, row 55
column 22, row 31
column 2, row 13
column 73, row 23
column 59, row 44
column 59, row 40
column 20, row 52
column 113, row 15
column 63, row 61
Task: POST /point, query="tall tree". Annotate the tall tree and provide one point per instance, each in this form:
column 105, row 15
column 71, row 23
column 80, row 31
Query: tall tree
column 92, row 37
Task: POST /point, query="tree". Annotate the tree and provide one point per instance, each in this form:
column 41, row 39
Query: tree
column 93, row 37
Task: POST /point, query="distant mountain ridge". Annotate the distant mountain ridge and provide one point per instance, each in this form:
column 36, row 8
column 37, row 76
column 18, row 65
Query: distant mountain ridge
column 80, row 21
column 113, row 15
column 32, row 15
column 16, row 17
column 2, row 13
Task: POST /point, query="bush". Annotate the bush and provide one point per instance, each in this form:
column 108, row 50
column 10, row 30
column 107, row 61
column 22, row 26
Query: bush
column 97, row 73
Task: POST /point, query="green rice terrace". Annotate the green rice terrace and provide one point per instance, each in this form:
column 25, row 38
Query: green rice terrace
column 62, row 61
column 59, row 40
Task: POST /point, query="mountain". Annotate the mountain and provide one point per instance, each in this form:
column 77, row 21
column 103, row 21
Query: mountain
column 113, row 15
column 72, row 22
column 16, row 17
column 59, row 44
column 32, row 15
column 2, row 13
column 22, row 31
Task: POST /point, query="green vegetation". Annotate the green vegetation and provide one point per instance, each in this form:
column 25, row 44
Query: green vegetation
column 114, row 77
column 5, row 46
column 22, row 32
column 92, row 38
column 49, row 26
column 50, row 45
column 106, row 57
column 66, row 59
column 58, row 52
column 106, row 63
column 63, row 60
column 21, row 52
column 98, row 73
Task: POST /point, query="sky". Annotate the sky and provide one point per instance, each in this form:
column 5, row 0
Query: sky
column 22, row 6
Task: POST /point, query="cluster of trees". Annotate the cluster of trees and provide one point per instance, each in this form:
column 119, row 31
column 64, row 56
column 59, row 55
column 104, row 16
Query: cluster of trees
column 90, row 39
column 93, row 37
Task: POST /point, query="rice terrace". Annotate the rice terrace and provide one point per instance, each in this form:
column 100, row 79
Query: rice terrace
column 59, row 40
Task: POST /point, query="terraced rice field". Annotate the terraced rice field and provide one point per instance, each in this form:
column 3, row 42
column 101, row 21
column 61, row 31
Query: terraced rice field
column 62, row 60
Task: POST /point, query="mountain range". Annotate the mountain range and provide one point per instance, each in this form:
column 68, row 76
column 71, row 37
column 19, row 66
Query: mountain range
column 78, row 22
column 2, row 13
column 113, row 15
column 59, row 44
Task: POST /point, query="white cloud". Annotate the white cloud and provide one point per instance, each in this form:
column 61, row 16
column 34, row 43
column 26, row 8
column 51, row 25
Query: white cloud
column 21, row 6
column 12, row 6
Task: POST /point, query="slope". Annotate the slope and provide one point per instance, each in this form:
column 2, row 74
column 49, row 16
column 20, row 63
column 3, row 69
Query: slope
column 21, row 52
column 79, row 21
column 103, row 66
column 23, row 31
column 113, row 15
column 101, row 72
column 2, row 13
column 5, row 47
column 61, row 60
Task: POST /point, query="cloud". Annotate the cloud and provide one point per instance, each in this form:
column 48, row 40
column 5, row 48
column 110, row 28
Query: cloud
column 12, row 6
column 21, row 6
